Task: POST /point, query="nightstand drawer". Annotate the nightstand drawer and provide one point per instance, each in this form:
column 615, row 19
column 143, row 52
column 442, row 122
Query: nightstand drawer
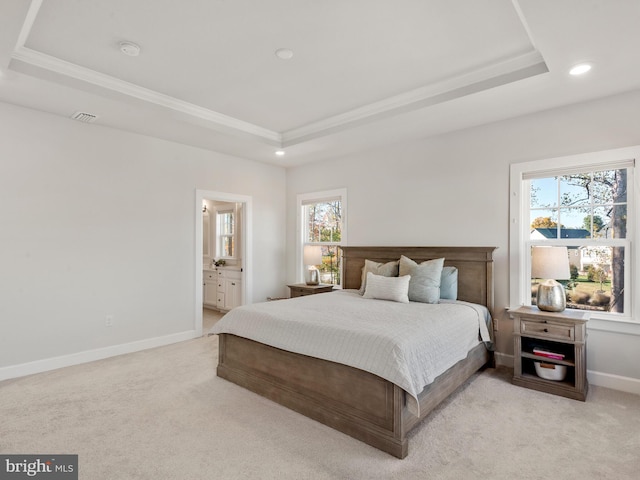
column 547, row 330
column 298, row 292
column 301, row 289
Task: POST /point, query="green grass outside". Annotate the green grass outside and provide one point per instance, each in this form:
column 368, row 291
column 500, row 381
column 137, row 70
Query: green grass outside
column 584, row 285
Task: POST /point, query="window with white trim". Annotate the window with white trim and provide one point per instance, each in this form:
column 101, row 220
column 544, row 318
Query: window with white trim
column 322, row 223
column 585, row 204
column 226, row 233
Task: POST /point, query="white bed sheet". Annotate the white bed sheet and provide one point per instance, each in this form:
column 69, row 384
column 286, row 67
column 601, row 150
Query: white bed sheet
column 407, row 344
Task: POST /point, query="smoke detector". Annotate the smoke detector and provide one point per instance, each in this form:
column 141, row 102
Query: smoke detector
column 130, row 48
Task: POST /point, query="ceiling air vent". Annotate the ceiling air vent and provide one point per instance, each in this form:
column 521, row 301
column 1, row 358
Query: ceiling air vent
column 84, row 117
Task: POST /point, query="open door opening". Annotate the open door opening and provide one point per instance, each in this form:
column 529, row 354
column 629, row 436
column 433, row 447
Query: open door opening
column 223, row 260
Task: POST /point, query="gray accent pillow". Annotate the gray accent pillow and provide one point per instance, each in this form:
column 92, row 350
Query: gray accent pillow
column 425, row 279
column 380, row 287
column 449, row 283
column 389, row 269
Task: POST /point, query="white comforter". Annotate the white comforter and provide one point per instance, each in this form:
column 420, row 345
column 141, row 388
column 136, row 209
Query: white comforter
column 407, row 344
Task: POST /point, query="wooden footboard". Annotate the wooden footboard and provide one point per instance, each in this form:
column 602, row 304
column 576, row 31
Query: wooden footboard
column 352, row 401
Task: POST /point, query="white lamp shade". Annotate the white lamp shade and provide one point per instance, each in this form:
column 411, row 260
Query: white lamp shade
column 312, row 255
column 550, row 263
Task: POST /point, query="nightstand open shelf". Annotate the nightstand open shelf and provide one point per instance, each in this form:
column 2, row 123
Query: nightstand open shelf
column 562, row 334
column 527, row 345
column 529, row 375
column 548, row 360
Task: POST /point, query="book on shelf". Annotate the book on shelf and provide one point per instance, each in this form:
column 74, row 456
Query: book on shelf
column 546, row 353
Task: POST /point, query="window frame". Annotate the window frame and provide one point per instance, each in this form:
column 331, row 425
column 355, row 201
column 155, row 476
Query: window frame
column 317, row 197
column 519, row 231
column 220, row 236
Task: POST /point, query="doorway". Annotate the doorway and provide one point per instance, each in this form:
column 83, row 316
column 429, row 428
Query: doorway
column 246, row 262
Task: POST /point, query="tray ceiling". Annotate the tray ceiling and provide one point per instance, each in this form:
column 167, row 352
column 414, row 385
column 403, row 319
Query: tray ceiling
column 362, row 72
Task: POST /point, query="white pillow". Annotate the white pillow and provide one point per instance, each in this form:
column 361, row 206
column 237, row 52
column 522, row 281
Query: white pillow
column 425, row 279
column 389, row 269
column 395, row 289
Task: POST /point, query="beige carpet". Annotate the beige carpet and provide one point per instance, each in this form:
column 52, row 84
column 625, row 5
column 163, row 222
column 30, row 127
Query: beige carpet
column 163, row 414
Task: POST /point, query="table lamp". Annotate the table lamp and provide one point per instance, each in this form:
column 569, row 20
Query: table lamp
column 312, row 258
column 551, row 263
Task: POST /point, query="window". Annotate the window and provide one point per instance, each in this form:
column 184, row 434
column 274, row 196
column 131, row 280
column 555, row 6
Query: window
column 582, row 203
column 323, row 223
column 587, row 213
column 226, row 234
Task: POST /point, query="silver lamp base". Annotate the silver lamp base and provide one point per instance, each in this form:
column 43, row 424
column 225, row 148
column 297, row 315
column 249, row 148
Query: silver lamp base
column 312, row 277
column 551, row 296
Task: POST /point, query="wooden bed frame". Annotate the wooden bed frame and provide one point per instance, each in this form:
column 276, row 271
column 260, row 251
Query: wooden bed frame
column 350, row 400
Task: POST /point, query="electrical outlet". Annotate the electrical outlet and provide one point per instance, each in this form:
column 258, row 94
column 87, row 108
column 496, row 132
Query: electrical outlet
column 108, row 321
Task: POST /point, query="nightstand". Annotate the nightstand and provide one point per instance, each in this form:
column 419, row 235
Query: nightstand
column 560, row 338
column 301, row 289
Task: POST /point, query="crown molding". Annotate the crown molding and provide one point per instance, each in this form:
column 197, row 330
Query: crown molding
column 489, row 76
column 27, row 25
column 71, row 70
column 484, row 78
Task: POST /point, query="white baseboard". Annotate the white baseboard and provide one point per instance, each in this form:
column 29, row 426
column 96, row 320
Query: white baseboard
column 608, row 380
column 502, row 359
column 38, row 366
column 616, row 382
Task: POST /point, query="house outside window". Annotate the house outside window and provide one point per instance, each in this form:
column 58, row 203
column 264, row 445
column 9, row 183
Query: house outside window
column 322, row 223
column 584, row 203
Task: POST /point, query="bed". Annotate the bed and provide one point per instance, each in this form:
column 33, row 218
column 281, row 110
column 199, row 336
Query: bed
column 354, row 400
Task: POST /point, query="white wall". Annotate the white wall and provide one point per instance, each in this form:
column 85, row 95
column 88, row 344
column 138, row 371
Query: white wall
column 454, row 190
column 95, row 221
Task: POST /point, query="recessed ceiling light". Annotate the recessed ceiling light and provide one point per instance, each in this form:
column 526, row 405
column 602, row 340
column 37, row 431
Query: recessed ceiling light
column 284, row 53
column 580, row 69
column 280, row 153
column 129, row 48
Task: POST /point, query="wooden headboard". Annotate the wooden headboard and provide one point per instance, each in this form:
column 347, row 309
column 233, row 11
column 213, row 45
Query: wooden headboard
column 474, row 264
